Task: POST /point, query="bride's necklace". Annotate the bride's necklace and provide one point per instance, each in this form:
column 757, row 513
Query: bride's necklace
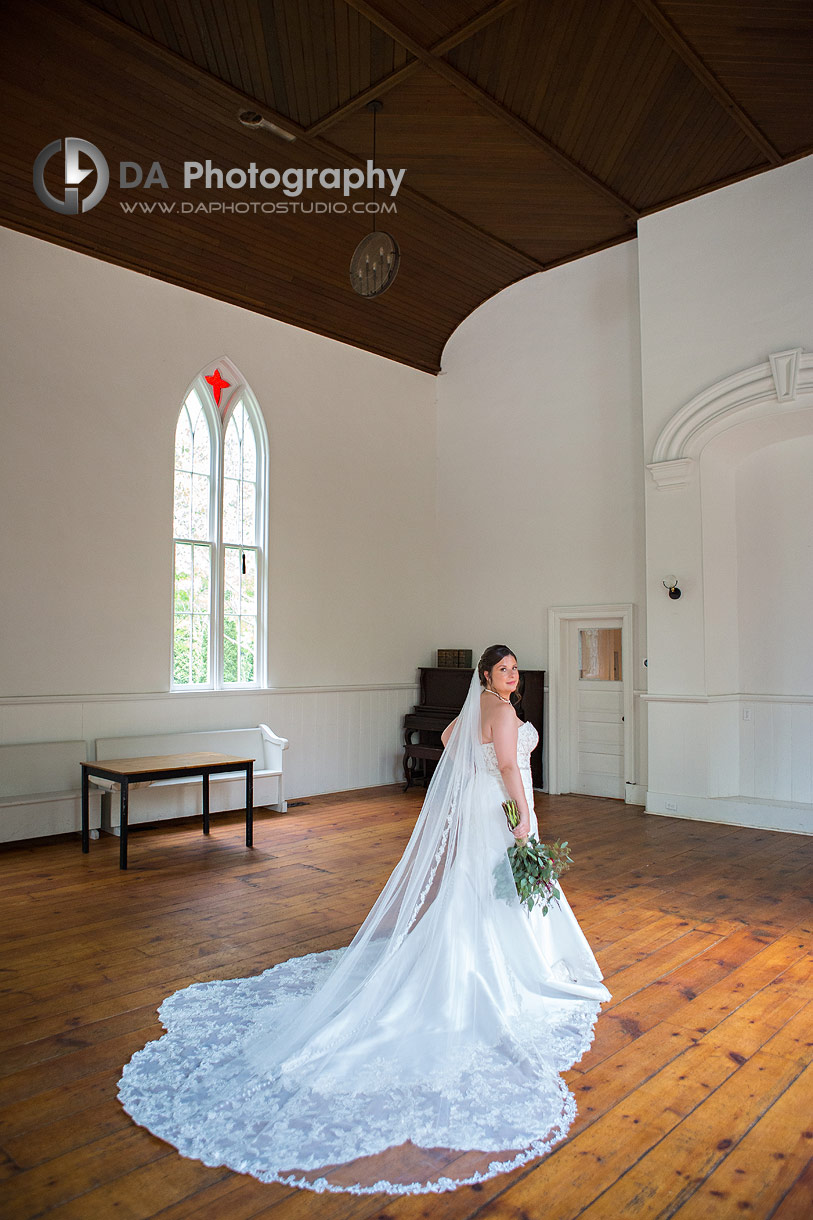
column 489, row 691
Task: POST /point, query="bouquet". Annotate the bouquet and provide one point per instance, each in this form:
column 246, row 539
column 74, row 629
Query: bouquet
column 536, row 866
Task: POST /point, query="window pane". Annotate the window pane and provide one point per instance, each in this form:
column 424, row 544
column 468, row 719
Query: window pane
column 230, row 637
column 195, row 409
column 249, row 501
column 201, row 580
column 231, row 511
column 183, row 505
column 183, row 579
column 181, row 649
column 240, row 514
column 200, row 506
column 183, row 442
column 248, row 632
column 239, row 417
column 600, row 654
column 248, row 600
column 200, row 461
column 200, row 648
column 232, row 581
column 192, row 490
column 249, row 453
column 190, row 645
column 231, row 451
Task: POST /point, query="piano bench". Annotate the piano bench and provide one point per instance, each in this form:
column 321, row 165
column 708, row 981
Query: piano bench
column 415, row 762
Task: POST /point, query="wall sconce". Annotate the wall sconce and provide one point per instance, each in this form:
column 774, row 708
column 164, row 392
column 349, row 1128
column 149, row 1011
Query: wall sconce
column 671, row 583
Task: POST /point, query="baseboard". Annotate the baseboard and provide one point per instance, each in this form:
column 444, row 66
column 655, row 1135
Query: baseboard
column 635, row 794
column 792, row 818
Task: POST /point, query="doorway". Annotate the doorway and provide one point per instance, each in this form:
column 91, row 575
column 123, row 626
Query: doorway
column 591, row 738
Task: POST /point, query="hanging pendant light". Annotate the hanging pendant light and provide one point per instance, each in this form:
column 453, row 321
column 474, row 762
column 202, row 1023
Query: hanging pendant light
column 375, row 260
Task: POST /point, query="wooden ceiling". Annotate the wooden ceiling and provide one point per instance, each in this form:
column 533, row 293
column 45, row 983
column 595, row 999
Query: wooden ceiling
column 531, row 132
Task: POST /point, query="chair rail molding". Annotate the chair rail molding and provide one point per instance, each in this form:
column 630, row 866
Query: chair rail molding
column 772, row 388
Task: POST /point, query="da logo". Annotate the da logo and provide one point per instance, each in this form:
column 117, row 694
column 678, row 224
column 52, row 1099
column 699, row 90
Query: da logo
column 70, row 205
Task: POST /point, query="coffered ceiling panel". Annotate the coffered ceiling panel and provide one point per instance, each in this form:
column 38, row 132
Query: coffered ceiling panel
column 303, row 58
column 601, row 84
column 531, row 132
column 762, row 54
column 466, row 159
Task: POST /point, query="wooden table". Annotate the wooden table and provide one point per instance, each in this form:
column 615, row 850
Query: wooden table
column 125, row 771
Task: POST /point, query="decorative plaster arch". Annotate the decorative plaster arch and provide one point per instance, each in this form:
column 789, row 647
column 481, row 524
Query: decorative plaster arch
column 772, row 388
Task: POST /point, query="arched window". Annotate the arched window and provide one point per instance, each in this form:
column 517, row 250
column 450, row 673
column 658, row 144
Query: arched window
column 194, row 545
column 220, row 526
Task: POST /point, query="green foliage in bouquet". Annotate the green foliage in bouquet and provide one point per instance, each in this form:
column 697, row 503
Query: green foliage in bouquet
column 536, row 866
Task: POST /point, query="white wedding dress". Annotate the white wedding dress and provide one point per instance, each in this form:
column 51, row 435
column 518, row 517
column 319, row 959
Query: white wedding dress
column 426, row 1055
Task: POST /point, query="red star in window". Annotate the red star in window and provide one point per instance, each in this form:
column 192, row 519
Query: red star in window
column 218, row 385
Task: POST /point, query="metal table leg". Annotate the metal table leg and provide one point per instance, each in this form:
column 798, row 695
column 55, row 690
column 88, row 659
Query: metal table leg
column 250, row 804
column 85, row 812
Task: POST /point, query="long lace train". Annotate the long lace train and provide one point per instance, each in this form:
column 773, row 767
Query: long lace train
column 425, row 1055
column 192, row 1089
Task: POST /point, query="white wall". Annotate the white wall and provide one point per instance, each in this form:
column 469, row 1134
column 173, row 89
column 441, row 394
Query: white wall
column 551, row 399
column 97, row 360
column 540, row 458
column 774, row 507
column 727, row 280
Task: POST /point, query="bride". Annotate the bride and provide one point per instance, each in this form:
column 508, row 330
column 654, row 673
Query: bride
column 425, row 1055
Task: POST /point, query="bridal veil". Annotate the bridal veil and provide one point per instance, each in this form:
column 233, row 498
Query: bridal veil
column 425, row 1055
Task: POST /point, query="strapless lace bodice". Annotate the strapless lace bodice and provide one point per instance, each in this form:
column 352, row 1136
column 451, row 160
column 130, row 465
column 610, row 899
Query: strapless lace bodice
column 527, row 741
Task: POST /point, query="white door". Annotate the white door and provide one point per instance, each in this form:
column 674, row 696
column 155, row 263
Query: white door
column 597, row 707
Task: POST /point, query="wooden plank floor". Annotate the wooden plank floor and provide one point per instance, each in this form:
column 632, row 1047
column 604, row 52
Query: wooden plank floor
column 696, row 1100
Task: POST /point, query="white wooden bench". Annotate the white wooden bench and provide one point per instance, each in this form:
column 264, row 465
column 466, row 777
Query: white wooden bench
column 177, row 798
column 41, row 790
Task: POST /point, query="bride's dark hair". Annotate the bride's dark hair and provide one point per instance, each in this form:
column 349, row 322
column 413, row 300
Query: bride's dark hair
column 488, row 660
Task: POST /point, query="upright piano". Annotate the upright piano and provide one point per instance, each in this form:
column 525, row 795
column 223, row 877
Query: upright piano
column 443, row 693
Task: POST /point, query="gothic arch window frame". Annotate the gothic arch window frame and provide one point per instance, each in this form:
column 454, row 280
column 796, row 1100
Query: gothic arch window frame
column 221, row 391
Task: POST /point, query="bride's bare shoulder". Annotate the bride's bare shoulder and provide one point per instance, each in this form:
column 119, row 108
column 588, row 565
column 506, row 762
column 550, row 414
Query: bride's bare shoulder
column 495, row 715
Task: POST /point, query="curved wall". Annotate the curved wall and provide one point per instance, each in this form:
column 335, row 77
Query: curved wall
column 540, row 459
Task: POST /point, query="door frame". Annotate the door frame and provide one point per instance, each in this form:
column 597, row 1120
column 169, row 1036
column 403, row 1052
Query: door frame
column 559, row 688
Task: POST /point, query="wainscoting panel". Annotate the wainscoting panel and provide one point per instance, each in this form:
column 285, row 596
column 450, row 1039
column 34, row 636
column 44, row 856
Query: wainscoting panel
column 744, row 759
column 341, row 738
column 776, row 749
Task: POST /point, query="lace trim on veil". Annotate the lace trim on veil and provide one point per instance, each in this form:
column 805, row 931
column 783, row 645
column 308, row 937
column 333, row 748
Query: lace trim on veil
column 168, row 1082
column 424, row 1056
